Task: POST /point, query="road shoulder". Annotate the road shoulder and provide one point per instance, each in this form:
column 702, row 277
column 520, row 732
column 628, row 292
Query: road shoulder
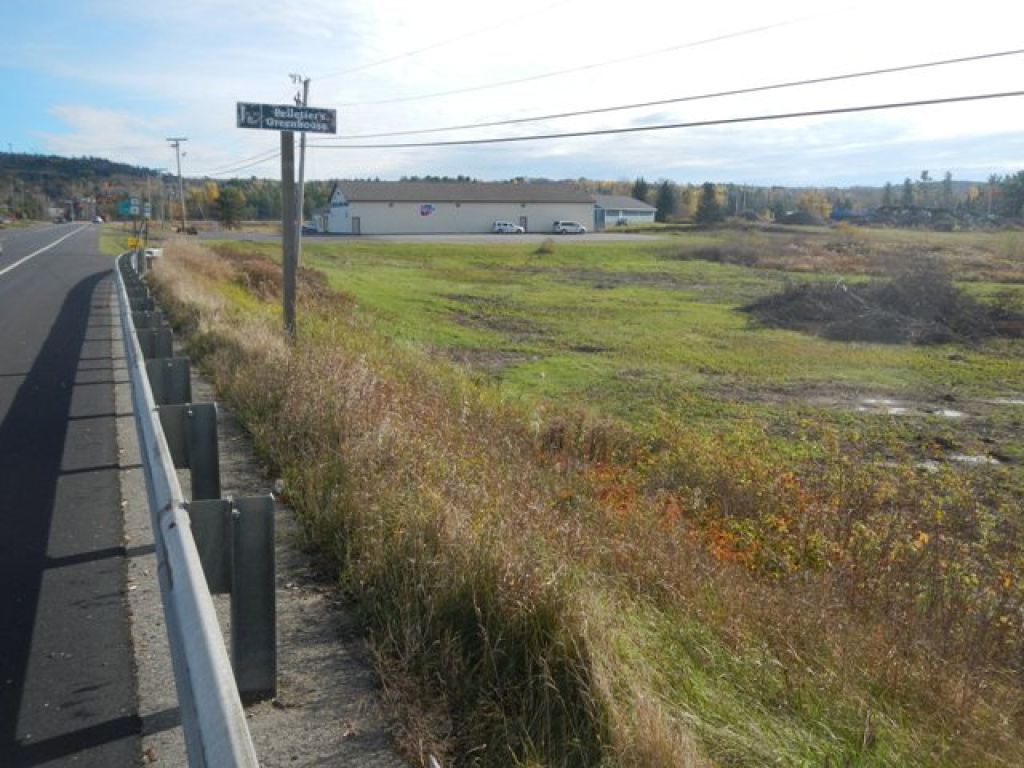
column 327, row 710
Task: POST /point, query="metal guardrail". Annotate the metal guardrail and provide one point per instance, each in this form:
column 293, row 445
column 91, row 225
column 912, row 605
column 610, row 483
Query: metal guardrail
column 216, row 733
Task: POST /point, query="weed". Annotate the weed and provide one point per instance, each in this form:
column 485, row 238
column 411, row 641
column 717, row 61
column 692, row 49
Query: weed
column 711, row 584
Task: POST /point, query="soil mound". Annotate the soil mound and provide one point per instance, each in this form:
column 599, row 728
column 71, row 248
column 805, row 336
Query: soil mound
column 920, row 305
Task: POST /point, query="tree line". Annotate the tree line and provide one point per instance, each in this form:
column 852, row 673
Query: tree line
column 999, row 196
column 36, row 186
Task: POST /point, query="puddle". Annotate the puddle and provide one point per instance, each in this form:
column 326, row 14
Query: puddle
column 890, row 407
column 932, row 466
column 947, row 413
column 962, row 458
column 902, row 408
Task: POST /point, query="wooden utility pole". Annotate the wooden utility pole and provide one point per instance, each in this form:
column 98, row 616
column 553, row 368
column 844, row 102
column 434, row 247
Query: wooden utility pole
column 289, row 251
column 287, row 119
column 176, row 143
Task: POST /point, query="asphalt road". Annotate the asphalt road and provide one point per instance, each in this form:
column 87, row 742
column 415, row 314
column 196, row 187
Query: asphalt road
column 67, row 692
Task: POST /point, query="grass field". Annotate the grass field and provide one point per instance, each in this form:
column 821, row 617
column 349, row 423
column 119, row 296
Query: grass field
column 635, row 331
column 605, row 517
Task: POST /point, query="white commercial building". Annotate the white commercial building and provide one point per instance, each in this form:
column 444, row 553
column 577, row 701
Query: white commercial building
column 424, row 207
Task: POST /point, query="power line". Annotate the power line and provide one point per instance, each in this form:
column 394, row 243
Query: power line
column 682, row 99
column 670, row 126
column 651, row 128
column 250, row 162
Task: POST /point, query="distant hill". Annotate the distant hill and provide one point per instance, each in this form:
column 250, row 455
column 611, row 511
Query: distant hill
column 32, row 185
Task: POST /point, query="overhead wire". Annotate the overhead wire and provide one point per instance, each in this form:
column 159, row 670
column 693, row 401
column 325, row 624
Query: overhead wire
column 273, row 154
column 680, row 99
column 670, row 126
column 260, row 159
column 249, row 162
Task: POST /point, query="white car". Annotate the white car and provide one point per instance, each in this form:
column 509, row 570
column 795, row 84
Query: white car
column 570, row 228
column 507, row 228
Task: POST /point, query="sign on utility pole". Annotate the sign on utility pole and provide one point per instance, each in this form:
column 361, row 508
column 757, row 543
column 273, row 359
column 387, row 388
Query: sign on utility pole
column 287, row 119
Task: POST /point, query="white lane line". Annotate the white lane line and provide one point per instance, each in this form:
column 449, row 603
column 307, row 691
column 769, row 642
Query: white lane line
column 44, row 249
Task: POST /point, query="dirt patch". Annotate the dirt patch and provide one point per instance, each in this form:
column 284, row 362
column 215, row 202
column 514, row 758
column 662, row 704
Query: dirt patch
column 603, row 280
column 495, row 315
column 919, row 305
column 970, row 431
column 489, row 361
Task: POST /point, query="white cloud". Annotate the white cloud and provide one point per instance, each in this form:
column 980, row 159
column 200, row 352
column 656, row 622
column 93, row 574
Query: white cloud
column 177, row 68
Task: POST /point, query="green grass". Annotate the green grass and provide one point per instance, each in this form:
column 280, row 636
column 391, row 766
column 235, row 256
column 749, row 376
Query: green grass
column 624, row 330
column 786, row 612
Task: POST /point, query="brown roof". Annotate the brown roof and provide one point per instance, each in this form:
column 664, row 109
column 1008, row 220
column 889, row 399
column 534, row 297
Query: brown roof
column 458, row 192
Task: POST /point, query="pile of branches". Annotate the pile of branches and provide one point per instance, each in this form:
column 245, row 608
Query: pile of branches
column 919, row 305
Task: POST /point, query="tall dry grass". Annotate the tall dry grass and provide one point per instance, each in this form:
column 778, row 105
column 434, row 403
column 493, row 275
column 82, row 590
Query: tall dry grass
column 529, row 580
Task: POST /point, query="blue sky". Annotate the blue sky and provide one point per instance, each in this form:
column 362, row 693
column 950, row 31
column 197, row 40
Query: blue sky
column 114, row 79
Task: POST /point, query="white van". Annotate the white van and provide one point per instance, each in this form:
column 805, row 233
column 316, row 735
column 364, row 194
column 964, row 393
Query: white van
column 507, row 228
column 570, row 228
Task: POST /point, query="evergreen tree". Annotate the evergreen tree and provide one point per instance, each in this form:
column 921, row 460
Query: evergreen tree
column 666, row 204
column 709, row 210
column 947, row 191
column 908, row 192
column 888, row 197
column 230, row 207
column 640, row 189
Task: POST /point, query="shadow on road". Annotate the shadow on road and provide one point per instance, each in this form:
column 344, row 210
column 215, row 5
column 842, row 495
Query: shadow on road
column 62, row 691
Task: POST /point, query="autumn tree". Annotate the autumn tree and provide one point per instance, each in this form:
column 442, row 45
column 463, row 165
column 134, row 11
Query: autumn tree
column 972, row 197
column 814, row 203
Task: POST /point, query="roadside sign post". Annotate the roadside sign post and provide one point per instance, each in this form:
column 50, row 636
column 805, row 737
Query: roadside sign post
column 287, row 119
column 289, row 250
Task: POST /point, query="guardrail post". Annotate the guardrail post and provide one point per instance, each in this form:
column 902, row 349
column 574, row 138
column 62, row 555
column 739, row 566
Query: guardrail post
column 170, row 381
column 211, row 527
column 148, row 319
column 191, row 432
column 214, row 723
column 138, row 293
column 156, row 342
column 253, row 602
column 235, row 540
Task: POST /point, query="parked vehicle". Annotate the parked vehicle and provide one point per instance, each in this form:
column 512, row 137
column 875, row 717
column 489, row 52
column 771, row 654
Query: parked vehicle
column 570, row 228
column 507, row 228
